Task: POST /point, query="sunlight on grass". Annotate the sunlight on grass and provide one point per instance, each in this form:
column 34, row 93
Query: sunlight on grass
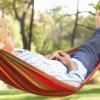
column 88, row 92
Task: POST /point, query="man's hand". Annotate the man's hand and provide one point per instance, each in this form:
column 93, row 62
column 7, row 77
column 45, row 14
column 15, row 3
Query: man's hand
column 64, row 58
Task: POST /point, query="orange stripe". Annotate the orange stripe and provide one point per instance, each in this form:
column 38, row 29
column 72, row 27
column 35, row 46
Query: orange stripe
column 26, row 75
column 58, row 82
column 11, row 79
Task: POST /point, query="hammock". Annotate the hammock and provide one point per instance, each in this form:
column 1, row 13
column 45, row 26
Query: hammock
column 19, row 74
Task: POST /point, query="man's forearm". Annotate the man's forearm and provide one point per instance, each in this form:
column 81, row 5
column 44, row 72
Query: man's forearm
column 71, row 66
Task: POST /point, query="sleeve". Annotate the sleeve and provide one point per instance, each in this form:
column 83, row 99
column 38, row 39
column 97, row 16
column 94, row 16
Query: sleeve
column 76, row 77
column 73, row 78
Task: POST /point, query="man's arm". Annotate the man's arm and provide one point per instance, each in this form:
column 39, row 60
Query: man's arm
column 64, row 58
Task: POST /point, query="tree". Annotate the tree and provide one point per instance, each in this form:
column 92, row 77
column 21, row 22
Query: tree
column 21, row 9
column 75, row 26
column 26, row 36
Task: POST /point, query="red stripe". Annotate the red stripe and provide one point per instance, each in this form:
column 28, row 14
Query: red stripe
column 48, row 82
column 7, row 80
column 21, row 77
column 45, row 94
column 11, row 74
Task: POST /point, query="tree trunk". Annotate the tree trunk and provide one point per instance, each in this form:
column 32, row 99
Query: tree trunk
column 31, row 25
column 25, row 38
column 75, row 27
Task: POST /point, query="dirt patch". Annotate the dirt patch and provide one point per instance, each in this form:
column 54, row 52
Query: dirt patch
column 94, row 81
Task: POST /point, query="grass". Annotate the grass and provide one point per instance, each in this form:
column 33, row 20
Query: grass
column 88, row 92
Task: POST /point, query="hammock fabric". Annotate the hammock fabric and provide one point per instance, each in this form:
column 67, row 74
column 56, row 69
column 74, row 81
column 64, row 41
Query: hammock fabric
column 19, row 74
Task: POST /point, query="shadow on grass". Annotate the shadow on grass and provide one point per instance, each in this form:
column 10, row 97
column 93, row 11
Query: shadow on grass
column 15, row 94
column 34, row 98
column 11, row 92
column 93, row 91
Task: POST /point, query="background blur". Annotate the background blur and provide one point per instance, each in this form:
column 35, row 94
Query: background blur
column 45, row 26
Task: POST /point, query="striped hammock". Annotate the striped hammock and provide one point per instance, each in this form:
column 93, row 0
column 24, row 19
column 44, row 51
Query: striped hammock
column 19, row 74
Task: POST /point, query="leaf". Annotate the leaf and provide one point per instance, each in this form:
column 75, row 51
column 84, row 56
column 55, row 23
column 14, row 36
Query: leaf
column 98, row 6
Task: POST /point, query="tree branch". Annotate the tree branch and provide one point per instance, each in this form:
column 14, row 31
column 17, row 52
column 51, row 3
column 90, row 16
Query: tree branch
column 85, row 26
column 15, row 10
column 87, row 12
column 79, row 13
column 25, row 11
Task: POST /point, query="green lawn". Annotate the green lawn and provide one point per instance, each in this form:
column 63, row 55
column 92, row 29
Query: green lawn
column 88, row 92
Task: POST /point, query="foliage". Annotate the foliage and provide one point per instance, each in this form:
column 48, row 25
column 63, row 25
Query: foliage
column 14, row 29
column 95, row 6
column 39, row 35
column 59, row 32
column 86, row 28
column 52, row 30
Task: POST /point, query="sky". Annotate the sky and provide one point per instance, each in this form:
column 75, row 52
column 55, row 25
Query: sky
column 43, row 5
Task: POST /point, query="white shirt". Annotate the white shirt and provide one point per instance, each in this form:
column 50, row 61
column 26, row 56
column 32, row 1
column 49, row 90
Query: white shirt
column 55, row 68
